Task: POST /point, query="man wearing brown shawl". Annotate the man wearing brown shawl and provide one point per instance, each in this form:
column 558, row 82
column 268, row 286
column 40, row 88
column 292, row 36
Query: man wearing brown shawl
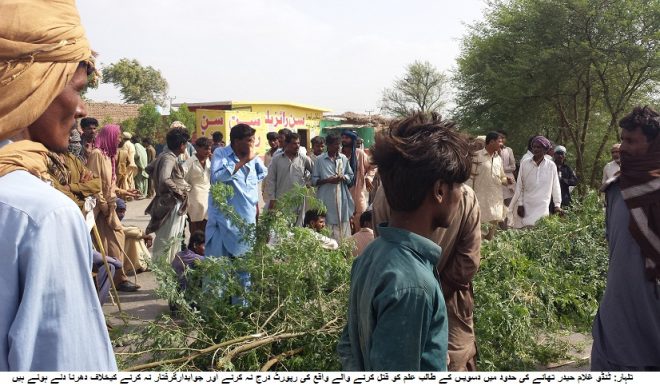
column 626, row 329
column 50, row 318
column 459, row 262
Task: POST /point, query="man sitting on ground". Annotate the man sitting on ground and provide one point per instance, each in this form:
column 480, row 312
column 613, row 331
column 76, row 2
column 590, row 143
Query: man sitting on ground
column 366, row 234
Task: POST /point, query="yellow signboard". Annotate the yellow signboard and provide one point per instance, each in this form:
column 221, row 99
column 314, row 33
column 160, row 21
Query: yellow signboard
column 210, row 121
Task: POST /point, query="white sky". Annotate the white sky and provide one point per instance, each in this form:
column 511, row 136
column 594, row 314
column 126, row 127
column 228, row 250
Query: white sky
column 336, row 54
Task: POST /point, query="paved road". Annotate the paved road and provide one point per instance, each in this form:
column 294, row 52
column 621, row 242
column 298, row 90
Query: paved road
column 143, row 304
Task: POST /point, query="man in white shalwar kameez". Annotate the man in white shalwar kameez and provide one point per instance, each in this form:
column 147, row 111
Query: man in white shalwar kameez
column 487, row 180
column 538, row 182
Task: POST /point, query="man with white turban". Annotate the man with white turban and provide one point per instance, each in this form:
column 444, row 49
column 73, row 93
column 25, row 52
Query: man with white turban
column 50, row 317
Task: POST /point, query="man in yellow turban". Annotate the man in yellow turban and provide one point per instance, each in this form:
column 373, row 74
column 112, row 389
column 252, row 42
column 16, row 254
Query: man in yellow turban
column 50, row 317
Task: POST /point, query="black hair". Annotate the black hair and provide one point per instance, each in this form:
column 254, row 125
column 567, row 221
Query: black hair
column 196, row 238
column 271, row 136
column 203, row 143
column 317, row 140
column 147, row 140
column 311, row 216
column 88, row 121
column 240, row 131
column 367, row 216
column 331, row 139
column 284, row 131
column 290, row 137
column 415, row 154
column 217, row 136
column 643, row 118
column 493, row 135
column 176, row 137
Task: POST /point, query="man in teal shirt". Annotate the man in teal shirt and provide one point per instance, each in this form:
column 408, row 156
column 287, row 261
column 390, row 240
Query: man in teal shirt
column 397, row 319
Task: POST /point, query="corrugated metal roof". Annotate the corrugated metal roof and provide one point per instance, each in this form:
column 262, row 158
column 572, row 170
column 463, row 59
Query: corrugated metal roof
column 239, row 103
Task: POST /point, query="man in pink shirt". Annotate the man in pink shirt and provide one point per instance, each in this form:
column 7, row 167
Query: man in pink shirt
column 365, row 235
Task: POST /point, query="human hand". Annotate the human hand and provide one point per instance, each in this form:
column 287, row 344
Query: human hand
column 148, row 240
column 509, row 180
column 521, row 211
column 87, row 176
column 559, row 211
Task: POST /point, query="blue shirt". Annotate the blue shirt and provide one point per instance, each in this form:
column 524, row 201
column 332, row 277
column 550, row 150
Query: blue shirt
column 397, row 318
column 222, row 237
column 50, row 316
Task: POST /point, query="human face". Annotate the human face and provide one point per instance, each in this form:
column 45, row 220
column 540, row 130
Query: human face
column 121, row 213
column 319, row 224
column 633, row 143
column 200, row 249
column 616, row 155
column 274, row 143
column 317, row 148
column 494, row 145
column 280, row 140
column 242, row 146
column 559, row 158
column 346, row 140
column 89, row 146
column 447, row 204
column 333, row 149
column 537, row 149
column 292, row 147
column 53, row 127
column 203, row 153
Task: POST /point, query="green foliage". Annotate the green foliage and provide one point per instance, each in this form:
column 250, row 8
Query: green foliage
column 183, row 115
column 534, row 282
column 149, row 121
column 297, row 302
column 568, row 69
column 422, row 88
column 137, row 84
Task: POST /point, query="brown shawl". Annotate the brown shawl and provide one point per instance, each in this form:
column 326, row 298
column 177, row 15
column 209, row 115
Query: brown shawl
column 640, row 187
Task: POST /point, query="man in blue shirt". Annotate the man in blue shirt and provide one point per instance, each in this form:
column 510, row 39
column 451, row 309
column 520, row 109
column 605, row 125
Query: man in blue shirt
column 239, row 166
column 397, row 318
column 50, row 317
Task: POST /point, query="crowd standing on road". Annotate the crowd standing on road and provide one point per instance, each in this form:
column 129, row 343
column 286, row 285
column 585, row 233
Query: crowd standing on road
column 64, row 191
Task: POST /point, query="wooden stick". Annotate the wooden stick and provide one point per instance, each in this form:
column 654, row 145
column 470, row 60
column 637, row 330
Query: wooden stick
column 107, row 266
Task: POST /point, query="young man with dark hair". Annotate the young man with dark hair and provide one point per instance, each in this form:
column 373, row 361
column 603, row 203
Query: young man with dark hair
column 363, row 174
column 397, row 319
column 626, row 330
column 198, row 174
column 332, row 174
column 236, row 165
column 89, row 125
column 286, row 171
column 318, row 143
column 487, row 180
column 217, row 141
column 365, row 235
column 168, row 208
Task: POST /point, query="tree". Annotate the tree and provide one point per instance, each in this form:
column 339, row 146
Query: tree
column 183, row 115
column 565, row 68
column 422, row 88
column 149, row 121
column 137, row 84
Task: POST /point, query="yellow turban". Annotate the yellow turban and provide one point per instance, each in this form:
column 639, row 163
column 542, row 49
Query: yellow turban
column 41, row 44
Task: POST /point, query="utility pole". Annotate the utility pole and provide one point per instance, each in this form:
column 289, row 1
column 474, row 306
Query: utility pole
column 171, row 99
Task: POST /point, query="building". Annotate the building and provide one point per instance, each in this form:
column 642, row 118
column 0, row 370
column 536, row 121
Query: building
column 262, row 116
column 106, row 112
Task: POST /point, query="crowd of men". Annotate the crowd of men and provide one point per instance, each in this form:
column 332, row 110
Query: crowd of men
column 411, row 300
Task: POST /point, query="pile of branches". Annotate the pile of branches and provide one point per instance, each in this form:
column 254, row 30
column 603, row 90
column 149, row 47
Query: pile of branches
column 289, row 318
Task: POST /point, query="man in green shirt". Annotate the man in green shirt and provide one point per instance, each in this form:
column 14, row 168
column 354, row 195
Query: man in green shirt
column 397, row 318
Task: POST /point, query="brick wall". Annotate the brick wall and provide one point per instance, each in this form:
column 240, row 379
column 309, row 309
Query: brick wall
column 116, row 111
